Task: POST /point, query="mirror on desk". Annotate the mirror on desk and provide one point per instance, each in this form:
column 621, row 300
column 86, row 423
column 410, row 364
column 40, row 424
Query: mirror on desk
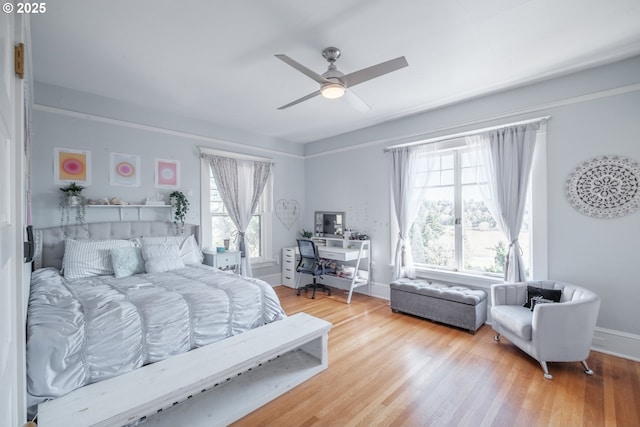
column 329, row 224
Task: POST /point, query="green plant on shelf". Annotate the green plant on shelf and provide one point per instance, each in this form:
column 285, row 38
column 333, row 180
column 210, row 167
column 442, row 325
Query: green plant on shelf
column 72, row 198
column 306, row 234
column 180, row 206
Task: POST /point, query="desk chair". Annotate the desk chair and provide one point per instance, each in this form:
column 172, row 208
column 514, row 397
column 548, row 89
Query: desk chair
column 310, row 263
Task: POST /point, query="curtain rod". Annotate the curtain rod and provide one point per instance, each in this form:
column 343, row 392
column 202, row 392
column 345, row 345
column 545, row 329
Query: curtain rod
column 463, row 134
column 222, row 153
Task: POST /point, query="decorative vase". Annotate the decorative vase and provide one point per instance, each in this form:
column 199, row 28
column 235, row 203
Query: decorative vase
column 226, row 244
column 74, row 201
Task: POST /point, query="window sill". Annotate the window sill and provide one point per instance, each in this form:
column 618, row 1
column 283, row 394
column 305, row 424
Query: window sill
column 458, row 278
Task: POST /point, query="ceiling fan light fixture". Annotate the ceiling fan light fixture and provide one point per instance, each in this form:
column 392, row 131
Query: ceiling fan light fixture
column 332, row 90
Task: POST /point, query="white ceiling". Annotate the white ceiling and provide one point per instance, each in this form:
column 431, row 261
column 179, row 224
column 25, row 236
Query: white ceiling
column 214, row 60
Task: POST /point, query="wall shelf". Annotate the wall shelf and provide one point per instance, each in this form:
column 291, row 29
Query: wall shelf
column 137, row 207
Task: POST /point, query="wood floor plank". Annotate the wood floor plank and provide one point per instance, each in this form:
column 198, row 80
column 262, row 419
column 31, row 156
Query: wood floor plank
column 392, row 369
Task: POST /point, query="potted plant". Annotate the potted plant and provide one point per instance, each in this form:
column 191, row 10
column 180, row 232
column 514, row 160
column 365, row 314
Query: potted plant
column 306, row 234
column 180, row 205
column 72, row 198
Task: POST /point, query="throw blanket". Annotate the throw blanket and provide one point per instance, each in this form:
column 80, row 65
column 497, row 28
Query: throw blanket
column 87, row 330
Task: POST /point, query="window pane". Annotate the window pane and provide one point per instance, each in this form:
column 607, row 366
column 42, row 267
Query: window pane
column 447, row 177
column 469, row 175
column 484, row 246
column 216, row 206
column 253, row 237
column 433, row 233
column 447, row 161
column 222, row 228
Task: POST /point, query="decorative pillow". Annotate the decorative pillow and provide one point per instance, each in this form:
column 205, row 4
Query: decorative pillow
column 550, row 294
column 189, row 250
column 539, row 300
column 127, row 261
column 86, row 258
column 160, row 258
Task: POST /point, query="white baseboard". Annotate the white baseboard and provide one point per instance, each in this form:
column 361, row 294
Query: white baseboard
column 380, row 291
column 272, row 279
column 616, row 343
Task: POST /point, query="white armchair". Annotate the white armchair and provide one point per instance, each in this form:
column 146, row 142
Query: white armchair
column 559, row 332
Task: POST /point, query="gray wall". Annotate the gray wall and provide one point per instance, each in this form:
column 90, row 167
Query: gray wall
column 595, row 253
column 103, row 126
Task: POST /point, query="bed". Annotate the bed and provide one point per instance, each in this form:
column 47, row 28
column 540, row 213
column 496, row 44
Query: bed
column 103, row 317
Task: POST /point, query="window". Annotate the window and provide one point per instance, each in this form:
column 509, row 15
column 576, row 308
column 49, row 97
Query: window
column 454, row 229
column 223, row 228
column 217, row 225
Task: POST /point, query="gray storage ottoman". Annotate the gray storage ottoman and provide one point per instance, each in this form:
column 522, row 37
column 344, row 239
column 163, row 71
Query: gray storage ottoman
column 454, row 305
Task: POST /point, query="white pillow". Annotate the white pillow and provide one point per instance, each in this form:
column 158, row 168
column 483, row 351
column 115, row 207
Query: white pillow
column 189, row 250
column 161, row 258
column 127, row 261
column 86, row 258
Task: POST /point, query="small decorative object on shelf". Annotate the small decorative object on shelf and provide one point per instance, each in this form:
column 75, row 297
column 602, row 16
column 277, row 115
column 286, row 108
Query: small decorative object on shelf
column 180, row 205
column 154, row 199
column 72, row 198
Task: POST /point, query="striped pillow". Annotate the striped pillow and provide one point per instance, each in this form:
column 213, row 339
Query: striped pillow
column 86, row 258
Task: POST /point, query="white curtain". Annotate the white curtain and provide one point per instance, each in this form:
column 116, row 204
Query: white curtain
column 240, row 183
column 407, row 187
column 508, row 155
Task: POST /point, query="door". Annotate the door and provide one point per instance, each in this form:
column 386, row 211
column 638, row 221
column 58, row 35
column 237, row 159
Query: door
column 12, row 381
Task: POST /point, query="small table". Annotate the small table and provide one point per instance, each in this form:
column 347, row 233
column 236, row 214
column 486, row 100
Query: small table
column 227, row 260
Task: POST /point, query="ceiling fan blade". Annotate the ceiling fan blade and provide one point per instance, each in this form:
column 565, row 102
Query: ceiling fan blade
column 374, row 71
column 297, row 101
column 355, row 101
column 298, row 66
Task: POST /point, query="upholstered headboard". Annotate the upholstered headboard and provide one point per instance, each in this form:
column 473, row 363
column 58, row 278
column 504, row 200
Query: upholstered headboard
column 49, row 242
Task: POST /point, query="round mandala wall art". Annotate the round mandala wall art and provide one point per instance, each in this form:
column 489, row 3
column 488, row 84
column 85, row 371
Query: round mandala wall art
column 605, row 187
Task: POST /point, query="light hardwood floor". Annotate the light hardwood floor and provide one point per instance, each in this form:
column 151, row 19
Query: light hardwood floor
column 391, row 369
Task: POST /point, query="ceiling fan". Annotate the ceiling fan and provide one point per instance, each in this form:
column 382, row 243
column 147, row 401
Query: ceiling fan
column 334, row 84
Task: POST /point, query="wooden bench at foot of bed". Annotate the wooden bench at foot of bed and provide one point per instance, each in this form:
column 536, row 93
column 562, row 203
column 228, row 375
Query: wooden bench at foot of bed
column 212, row 385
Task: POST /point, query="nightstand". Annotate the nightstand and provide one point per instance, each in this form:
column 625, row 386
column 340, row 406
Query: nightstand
column 228, row 260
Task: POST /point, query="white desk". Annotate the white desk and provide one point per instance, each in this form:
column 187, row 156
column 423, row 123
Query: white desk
column 354, row 253
column 341, row 254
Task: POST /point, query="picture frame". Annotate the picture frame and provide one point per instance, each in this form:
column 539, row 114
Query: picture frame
column 124, row 170
column 167, row 173
column 71, row 165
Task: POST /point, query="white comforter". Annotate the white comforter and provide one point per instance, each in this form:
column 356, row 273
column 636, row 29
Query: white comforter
column 88, row 330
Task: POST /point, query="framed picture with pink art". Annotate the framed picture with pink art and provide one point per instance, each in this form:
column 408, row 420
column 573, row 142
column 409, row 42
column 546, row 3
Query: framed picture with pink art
column 71, row 165
column 167, row 173
column 124, row 170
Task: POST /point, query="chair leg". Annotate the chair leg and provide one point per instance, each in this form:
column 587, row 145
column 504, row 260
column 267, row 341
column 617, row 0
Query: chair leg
column 314, row 286
column 547, row 375
column 586, row 368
